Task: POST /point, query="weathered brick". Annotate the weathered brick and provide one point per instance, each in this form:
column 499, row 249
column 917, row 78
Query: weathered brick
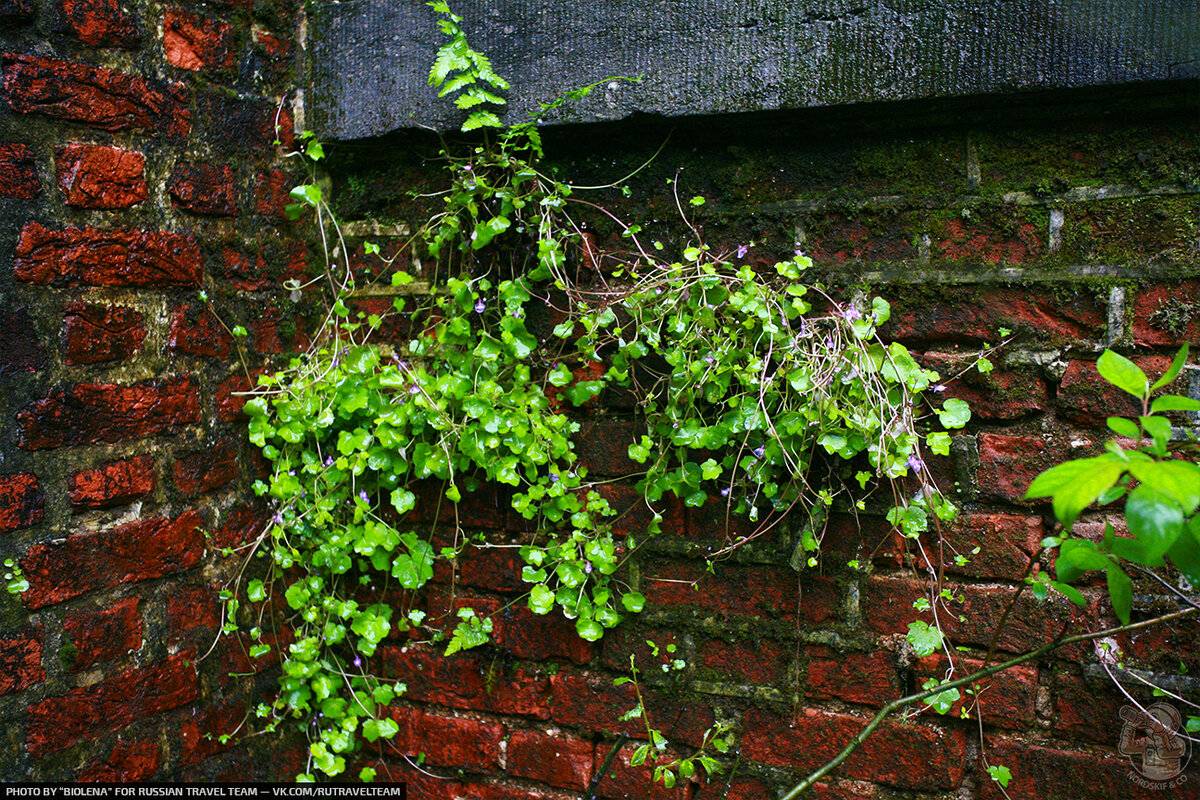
column 1087, row 399
column 119, row 257
column 449, row 741
column 276, row 331
column 201, row 731
column 16, row 11
column 590, row 701
column 59, row 722
column 603, row 447
column 129, row 762
column 91, row 413
column 525, row 635
column 21, row 348
column 195, row 43
column 624, row 780
column 1006, row 544
column 95, row 636
column 1008, row 464
column 907, row 756
column 20, row 661
column 1167, row 314
column 753, row 661
column 22, row 504
column 231, row 396
column 988, row 239
column 129, row 553
column 1081, row 706
column 207, row 469
column 114, row 483
column 1040, row 772
column 18, row 172
column 95, row 176
column 99, row 98
column 555, row 758
column 233, row 124
column 100, row 23
column 777, row 592
column 241, row 524
column 271, row 194
column 204, row 189
column 95, row 334
column 467, row 681
column 971, row 313
column 197, row 331
column 869, row 678
column 192, row 609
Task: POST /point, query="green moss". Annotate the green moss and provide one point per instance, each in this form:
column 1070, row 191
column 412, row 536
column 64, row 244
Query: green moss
column 68, row 653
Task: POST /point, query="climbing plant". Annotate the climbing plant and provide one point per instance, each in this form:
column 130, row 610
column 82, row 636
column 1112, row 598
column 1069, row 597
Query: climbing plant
column 757, row 390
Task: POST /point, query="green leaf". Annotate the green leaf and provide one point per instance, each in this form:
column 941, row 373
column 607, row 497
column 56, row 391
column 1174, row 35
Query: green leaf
column 1124, row 427
column 924, row 638
column 589, row 629
column 1173, row 402
column 1076, row 556
column 1120, row 592
column 939, row 443
column 1155, row 519
column 1001, row 775
column 955, row 413
column 1172, row 371
column 1123, row 373
column 541, row 599
column 1179, row 479
column 1074, row 485
column 1185, row 553
column 634, row 602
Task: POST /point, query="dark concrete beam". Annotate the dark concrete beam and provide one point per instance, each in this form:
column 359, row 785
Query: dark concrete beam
column 368, row 59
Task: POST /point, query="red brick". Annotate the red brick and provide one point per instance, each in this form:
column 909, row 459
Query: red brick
column 22, row 504
column 234, row 124
column 18, row 172
column 100, row 23
column 20, row 661
column 1087, row 399
column 119, row 257
column 1167, row 314
column 591, row 702
column 129, row 762
column 240, row 525
column 204, row 189
column 99, row 98
column 861, row 537
column 1040, row 772
column 869, row 678
column 275, row 332
column 22, row 349
column 114, row 483
column 91, row 413
column 978, row 241
column 191, row 609
column 752, row 661
column 748, row 591
column 526, row 635
column 557, row 759
column 231, row 396
column 95, row 334
column 1086, row 711
column 207, row 469
column 59, row 722
column 201, row 731
column 1006, row 698
column 1003, row 394
column 95, row 176
column 1008, row 464
column 970, row 313
column 197, row 331
column 467, row 681
column 194, row 42
column 445, row 740
column 101, row 635
column 1006, row 544
column 1165, row 647
column 278, row 46
column 87, row 562
column 906, row 756
column 603, row 447
column 271, row 194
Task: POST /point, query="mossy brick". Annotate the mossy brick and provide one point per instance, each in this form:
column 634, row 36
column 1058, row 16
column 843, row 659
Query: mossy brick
column 94, row 334
column 1086, row 399
column 871, row 678
column 103, row 634
column 96, row 560
column 624, row 780
column 206, row 190
column 202, row 733
column 1047, row 770
column 987, row 235
column 1008, row 464
column 196, row 331
column 99, row 98
column 1166, row 314
column 22, row 504
column 98, row 176
column 194, row 42
column 469, row 681
column 1006, row 543
column 18, row 171
column 906, row 756
column 92, row 413
column 1005, row 393
column 100, row 23
column 1164, row 230
column 1005, row 700
column 58, row 722
column 113, row 483
column 115, row 257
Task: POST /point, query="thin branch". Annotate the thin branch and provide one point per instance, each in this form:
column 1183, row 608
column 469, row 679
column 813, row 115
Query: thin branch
column 806, row 784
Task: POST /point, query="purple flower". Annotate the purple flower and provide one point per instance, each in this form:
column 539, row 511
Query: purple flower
column 915, row 464
column 710, row 359
column 937, row 388
column 357, row 661
column 758, row 451
column 414, row 389
column 742, row 250
column 587, row 567
column 554, row 477
column 852, row 313
column 480, row 306
column 364, row 496
column 329, row 461
column 725, row 492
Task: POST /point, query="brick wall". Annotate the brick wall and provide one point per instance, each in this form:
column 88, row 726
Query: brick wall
column 137, row 169
column 1073, row 220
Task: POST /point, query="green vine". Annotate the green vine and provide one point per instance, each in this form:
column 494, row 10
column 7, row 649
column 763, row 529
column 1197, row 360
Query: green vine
column 759, row 393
